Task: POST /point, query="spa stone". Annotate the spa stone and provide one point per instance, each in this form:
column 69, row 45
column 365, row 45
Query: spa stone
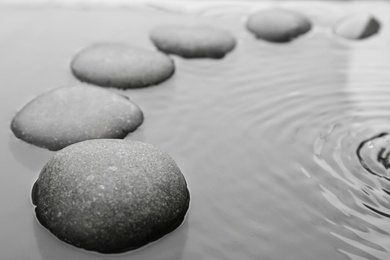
column 110, row 195
column 68, row 115
column 278, row 25
column 193, row 41
column 357, row 26
column 121, row 66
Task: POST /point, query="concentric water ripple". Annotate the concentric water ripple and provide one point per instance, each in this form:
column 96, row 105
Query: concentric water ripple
column 283, row 128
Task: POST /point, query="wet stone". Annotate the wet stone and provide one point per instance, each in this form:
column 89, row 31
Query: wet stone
column 121, row 66
column 71, row 114
column 110, row 195
column 193, row 41
column 278, row 25
column 357, row 26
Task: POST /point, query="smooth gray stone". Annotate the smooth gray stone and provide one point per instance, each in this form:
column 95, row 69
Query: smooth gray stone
column 68, row 115
column 121, row 66
column 193, row 41
column 357, row 26
column 110, row 195
column 278, row 25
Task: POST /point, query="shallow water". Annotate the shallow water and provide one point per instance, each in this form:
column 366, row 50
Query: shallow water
column 276, row 141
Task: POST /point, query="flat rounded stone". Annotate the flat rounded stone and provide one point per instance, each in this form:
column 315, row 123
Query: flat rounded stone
column 121, row 66
column 357, row 26
column 110, row 195
column 68, row 115
column 193, row 41
column 278, row 25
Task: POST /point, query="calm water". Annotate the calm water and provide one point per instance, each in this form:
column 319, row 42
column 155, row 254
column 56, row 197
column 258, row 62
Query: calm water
column 284, row 146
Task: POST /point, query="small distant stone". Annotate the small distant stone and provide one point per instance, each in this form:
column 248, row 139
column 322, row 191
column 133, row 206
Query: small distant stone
column 278, row 25
column 193, row 41
column 68, row 115
column 357, row 26
column 121, row 66
column 110, row 195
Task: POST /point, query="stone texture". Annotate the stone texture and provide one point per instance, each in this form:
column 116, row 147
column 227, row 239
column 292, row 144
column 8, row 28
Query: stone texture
column 110, row 195
column 278, row 25
column 121, row 66
column 193, row 41
column 357, row 26
column 72, row 114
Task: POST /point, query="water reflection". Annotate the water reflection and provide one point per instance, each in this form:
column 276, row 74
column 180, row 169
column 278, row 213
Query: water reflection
column 30, row 156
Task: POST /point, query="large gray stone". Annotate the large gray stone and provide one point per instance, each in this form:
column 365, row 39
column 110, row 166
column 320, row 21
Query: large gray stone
column 68, row 115
column 193, row 41
column 278, row 25
column 110, row 195
column 121, row 66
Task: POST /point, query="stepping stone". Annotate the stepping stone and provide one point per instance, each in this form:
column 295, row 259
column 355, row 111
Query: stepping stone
column 121, row 66
column 278, row 25
column 193, row 41
column 68, row 115
column 357, row 26
column 110, row 195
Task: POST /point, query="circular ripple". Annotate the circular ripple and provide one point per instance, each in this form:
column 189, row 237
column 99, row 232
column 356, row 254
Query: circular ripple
column 374, row 155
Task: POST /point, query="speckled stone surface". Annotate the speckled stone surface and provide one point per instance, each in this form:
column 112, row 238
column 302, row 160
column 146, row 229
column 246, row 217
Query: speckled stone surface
column 68, row 115
column 193, row 41
column 121, row 66
column 110, row 195
column 357, row 26
column 278, row 25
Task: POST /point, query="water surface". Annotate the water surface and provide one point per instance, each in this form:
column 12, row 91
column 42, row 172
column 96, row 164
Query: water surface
column 268, row 137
